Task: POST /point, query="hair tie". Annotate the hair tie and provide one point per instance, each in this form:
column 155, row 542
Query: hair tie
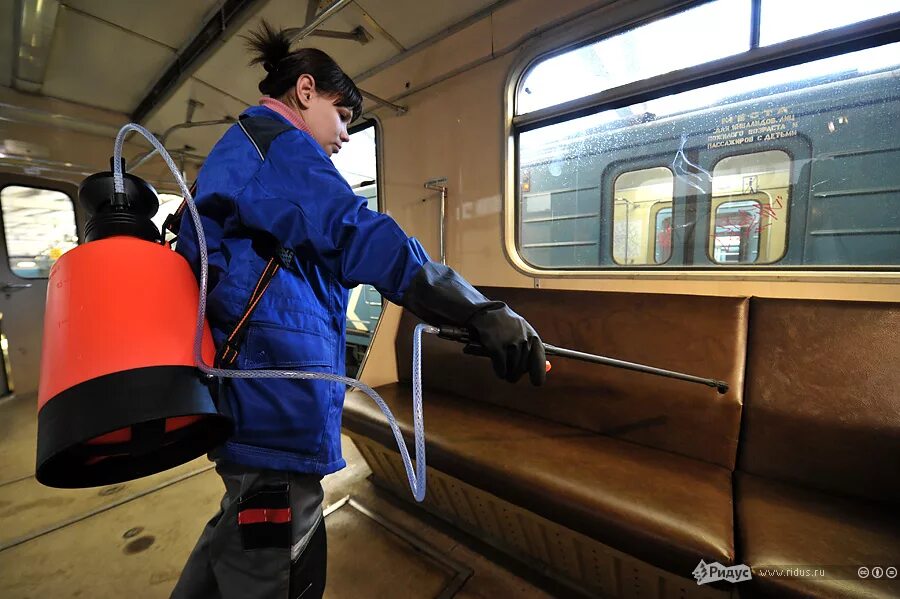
column 268, row 66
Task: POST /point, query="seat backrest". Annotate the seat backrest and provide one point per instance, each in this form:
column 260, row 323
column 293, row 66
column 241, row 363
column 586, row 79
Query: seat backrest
column 705, row 336
column 822, row 406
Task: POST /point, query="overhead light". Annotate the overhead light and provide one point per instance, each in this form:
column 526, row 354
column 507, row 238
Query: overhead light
column 26, row 264
column 37, row 21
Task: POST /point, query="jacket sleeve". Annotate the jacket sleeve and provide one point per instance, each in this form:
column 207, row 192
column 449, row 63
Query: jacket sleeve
column 300, row 198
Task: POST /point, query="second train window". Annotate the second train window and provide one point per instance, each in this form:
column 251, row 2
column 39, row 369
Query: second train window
column 750, row 199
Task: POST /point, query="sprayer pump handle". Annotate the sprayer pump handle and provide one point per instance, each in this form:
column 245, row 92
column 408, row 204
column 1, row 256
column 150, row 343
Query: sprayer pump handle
column 471, row 348
column 451, row 333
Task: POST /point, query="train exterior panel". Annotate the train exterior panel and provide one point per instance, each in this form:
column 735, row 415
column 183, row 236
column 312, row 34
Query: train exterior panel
column 817, row 188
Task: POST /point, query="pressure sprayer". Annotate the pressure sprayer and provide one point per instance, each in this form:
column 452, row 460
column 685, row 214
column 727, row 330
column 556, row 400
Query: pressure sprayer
column 124, row 385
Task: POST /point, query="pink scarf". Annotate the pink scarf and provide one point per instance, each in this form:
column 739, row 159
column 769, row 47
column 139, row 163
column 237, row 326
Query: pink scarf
column 287, row 112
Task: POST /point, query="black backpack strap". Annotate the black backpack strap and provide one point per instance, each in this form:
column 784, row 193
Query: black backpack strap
column 261, row 132
column 228, row 353
column 173, row 221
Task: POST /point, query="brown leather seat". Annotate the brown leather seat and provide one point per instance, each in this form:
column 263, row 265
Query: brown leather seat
column 818, row 469
column 664, row 508
column 640, row 463
column 783, row 526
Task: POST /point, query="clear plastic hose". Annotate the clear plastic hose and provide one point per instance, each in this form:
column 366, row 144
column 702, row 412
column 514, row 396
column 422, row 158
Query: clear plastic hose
column 416, row 476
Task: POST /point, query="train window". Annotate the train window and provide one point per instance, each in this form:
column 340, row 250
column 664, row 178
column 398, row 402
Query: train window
column 636, row 54
column 39, row 227
column 794, row 167
column 750, row 202
column 782, row 20
column 357, row 161
column 358, row 164
column 640, row 196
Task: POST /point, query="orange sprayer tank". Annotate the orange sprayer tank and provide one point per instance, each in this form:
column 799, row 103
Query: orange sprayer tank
column 120, row 395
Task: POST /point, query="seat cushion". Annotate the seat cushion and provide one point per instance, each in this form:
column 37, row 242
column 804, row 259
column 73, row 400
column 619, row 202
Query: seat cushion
column 665, row 509
column 781, row 525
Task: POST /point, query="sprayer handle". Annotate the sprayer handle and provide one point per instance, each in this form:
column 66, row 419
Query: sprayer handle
column 463, row 336
column 459, row 334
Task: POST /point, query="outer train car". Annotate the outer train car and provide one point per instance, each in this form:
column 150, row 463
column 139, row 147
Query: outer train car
column 743, row 178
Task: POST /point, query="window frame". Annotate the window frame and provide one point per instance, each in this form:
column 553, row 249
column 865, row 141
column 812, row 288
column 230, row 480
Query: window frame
column 11, row 180
column 854, row 37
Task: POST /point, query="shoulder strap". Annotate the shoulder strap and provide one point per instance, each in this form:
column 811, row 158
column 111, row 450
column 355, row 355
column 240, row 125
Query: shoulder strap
column 228, row 353
column 261, row 131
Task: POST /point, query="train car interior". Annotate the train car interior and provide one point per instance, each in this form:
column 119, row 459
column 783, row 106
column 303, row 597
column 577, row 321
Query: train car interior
column 703, row 187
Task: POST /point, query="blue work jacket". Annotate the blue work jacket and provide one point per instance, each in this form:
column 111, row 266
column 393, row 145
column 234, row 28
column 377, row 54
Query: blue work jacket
column 296, row 195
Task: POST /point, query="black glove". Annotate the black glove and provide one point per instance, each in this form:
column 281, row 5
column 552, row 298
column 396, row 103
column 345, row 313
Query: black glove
column 512, row 343
column 439, row 296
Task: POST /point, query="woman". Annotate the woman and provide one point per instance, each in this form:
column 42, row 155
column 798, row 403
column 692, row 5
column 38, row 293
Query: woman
column 269, row 195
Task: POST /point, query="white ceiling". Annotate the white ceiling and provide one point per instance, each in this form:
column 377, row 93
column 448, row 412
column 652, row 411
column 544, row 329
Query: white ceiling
column 169, row 22
column 109, row 54
column 411, row 21
column 95, row 64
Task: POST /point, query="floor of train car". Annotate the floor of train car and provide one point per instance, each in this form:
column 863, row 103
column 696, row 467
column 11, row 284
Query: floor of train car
column 132, row 539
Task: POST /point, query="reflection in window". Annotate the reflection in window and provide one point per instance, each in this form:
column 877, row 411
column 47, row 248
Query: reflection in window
column 639, row 195
column 39, row 225
column 662, row 250
column 638, row 54
column 783, row 20
column 750, row 201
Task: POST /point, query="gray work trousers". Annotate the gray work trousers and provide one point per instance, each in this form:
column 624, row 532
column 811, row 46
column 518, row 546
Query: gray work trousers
column 266, row 542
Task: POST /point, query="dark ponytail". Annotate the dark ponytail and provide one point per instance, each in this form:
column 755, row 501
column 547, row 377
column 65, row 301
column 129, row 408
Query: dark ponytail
column 272, row 49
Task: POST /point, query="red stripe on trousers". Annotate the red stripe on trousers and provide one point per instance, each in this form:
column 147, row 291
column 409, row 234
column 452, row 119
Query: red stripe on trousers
column 258, row 516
